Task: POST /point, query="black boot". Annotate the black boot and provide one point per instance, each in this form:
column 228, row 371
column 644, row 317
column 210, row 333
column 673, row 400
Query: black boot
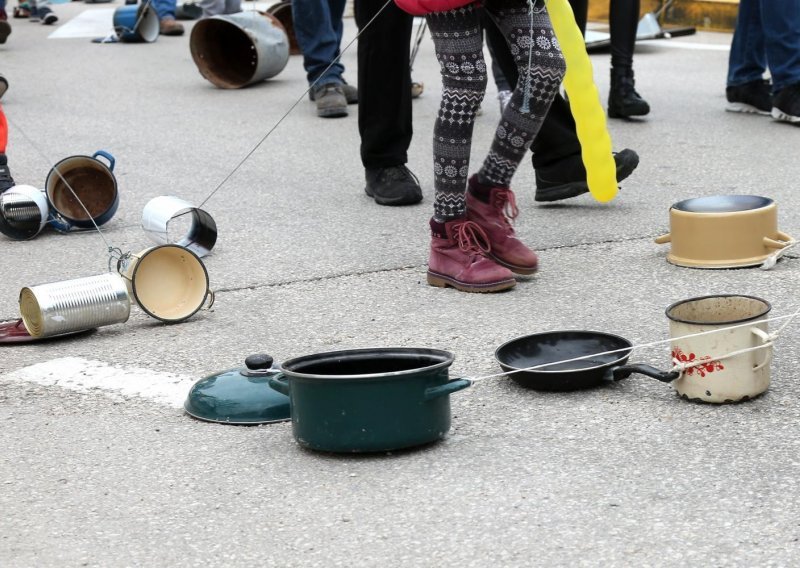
column 623, row 100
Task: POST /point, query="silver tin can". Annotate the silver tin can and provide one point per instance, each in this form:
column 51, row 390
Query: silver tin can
column 74, row 305
column 171, row 220
column 23, row 212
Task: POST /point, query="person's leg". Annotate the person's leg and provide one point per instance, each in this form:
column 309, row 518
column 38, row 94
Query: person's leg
column 458, row 254
column 540, row 68
column 623, row 100
column 746, row 89
column 384, row 101
column 318, row 29
column 782, row 36
column 165, row 9
column 556, row 158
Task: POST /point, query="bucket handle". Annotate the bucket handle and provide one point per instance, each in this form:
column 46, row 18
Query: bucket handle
column 766, row 341
column 210, row 297
column 107, row 156
column 447, row 388
column 279, row 382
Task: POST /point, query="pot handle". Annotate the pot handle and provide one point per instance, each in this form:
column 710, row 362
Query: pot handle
column 766, row 341
column 447, row 388
column 210, row 298
column 280, row 383
column 625, row 371
column 664, row 239
column 781, row 240
column 107, row 156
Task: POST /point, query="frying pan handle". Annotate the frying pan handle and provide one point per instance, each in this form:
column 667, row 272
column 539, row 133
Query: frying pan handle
column 663, row 239
column 445, row 389
column 625, row 371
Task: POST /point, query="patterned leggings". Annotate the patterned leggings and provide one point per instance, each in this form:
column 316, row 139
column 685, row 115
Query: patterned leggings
column 458, row 39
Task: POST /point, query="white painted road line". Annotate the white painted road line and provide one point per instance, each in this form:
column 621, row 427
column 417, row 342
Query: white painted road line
column 84, row 375
column 692, row 45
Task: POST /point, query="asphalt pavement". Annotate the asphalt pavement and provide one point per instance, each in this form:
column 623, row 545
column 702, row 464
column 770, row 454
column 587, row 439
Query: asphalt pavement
column 625, row 475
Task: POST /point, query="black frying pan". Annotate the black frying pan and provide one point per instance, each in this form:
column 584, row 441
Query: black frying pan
column 552, row 346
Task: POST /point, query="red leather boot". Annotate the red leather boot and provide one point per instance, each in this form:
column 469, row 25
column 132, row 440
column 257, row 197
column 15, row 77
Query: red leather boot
column 458, row 259
column 495, row 218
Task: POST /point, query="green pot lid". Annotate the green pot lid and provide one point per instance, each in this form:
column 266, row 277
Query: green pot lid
column 239, row 396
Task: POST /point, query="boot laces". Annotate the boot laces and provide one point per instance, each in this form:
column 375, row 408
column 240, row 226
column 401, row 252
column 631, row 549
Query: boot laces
column 505, row 201
column 472, row 239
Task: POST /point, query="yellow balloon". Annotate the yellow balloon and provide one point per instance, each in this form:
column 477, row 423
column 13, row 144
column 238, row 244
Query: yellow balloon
column 590, row 118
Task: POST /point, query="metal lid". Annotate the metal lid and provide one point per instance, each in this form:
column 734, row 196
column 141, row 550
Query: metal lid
column 239, row 396
column 14, row 331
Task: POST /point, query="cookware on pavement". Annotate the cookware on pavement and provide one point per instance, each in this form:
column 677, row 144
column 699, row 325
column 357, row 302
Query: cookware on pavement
column 82, row 191
column 239, row 396
column 369, row 400
column 712, row 374
column 724, row 231
column 593, row 370
column 169, row 282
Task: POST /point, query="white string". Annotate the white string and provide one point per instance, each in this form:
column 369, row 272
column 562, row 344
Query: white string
column 772, row 259
column 291, row 108
column 772, row 338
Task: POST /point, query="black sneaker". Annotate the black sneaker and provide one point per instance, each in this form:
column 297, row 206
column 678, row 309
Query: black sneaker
column 3, row 86
column 330, row 99
column 567, row 178
column 395, row 185
column 755, row 97
column 6, row 181
column 786, row 104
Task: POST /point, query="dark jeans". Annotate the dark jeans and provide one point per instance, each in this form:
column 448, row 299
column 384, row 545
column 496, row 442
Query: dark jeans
column 767, row 32
column 557, row 138
column 318, row 29
column 384, row 83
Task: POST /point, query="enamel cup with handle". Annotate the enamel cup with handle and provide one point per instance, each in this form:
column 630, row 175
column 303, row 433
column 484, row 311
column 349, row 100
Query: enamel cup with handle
column 714, row 371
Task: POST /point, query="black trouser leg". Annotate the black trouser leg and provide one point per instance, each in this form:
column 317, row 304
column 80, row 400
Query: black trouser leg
column 384, row 83
column 623, row 21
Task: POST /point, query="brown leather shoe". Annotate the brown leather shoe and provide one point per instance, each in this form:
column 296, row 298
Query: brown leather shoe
column 169, row 27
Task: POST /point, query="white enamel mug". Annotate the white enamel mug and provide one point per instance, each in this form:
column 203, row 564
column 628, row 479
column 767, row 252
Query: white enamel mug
column 713, row 371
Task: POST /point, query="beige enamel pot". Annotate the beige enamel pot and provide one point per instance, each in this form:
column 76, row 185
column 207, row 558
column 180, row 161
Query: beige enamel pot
column 724, row 231
column 723, row 344
column 169, row 282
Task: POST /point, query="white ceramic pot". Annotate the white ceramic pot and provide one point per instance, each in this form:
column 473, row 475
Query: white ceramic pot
column 714, row 372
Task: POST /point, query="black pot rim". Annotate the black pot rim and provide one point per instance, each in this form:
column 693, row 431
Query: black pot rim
column 446, row 359
column 719, row 323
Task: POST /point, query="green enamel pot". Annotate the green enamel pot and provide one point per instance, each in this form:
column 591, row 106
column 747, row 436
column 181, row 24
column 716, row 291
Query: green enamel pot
column 369, row 400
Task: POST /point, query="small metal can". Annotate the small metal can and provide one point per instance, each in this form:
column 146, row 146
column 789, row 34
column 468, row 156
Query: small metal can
column 162, row 221
column 23, row 212
column 74, row 305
